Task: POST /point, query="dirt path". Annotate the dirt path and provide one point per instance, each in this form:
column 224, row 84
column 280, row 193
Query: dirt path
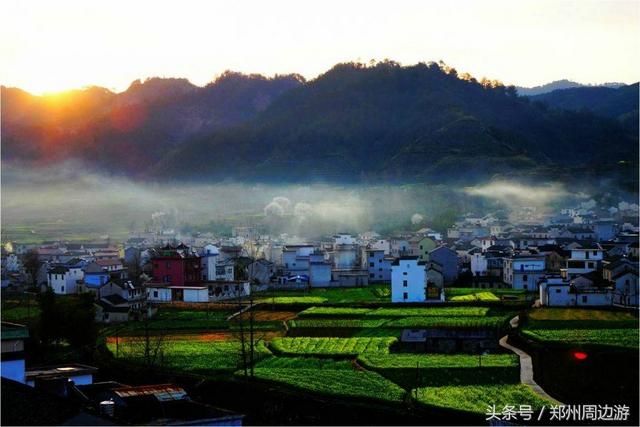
column 526, row 365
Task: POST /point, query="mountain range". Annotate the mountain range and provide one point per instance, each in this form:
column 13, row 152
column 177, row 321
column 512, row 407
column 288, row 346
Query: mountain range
column 560, row 84
column 354, row 123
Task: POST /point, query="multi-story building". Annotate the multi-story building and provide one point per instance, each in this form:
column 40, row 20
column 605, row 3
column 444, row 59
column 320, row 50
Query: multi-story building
column 408, row 280
column 179, row 266
column 523, row 271
column 583, row 260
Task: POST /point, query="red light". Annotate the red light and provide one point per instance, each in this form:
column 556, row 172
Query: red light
column 580, row 355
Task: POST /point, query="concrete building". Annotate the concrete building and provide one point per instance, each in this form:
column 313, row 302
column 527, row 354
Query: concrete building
column 523, row 271
column 448, row 259
column 408, row 280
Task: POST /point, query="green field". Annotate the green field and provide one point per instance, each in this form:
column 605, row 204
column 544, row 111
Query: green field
column 400, row 318
column 575, row 327
column 167, row 319
column 432, row 370
column 368, row 294
column 396, row 312
column 479, row 296
column 411, row 361
column 337, row 323
column 327, row 346
column 194, row 357
column 626, row 338
column 477, row 399
column 335, row 382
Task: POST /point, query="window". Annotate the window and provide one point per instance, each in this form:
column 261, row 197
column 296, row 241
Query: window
column 524, row 278
column 379, row 269
column 420, row 247
column 155, row 294
column 591, row 265
column 405, row 296
column 558, row 291
column 371, row 264
column 62, row 288
column 584, row 299
column 595, row 253
column 404, row 273
column 404, row 283
column 524, row 286
column 372, row 275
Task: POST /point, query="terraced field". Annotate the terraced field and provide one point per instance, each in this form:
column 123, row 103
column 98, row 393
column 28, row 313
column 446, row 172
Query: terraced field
column 331, row 346
column 477, row 399
column 578, row 327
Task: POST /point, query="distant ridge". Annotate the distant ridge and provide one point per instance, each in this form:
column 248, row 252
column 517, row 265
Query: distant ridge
column 559, row 84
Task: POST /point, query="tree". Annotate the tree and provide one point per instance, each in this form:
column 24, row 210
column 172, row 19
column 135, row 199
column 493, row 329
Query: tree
column 31, row 264
column 49, row 326
column 79, row 324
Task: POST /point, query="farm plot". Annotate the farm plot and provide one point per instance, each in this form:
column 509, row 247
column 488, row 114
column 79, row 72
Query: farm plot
column 582, row 327
column 477, row 399
column 337, row 382
column 622, row 337
column 195, row 357
column 337, row 323
column 411, row 370
column 328, row 346
column 397, row 318
column 479, row 296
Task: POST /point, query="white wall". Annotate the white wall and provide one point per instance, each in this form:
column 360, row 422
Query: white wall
column 159, row 294
column 408, row 277
column 196, row 295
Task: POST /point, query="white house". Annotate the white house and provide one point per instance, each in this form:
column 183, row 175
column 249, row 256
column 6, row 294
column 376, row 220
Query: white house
column 479, row 264
column 63, row 280
column 559, row 292
column 625, row 286
column 381, row 244
column 583, row 260
column 523, row 271
column 209, row 261
column 408, row 280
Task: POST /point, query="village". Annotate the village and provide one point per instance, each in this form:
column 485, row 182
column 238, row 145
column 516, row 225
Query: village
column 462, row 288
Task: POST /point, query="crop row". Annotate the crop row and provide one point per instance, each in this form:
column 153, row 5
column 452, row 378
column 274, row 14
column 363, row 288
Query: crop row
column 395, row 312
column 199, row 357
column 479, row 399
column 622, row 337
column 437, row 360
column 327, row 346
column 335, row 382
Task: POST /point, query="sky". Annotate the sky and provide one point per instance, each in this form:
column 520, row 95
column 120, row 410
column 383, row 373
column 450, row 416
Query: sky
column 49, row 46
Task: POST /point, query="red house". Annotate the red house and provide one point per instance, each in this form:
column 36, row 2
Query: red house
column 179, row 266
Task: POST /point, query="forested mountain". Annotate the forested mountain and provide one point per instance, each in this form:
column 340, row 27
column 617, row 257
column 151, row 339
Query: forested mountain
column 618, row 103
column 559, row 85
column 129, row 131
column 354, row 123
column 389, row 122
